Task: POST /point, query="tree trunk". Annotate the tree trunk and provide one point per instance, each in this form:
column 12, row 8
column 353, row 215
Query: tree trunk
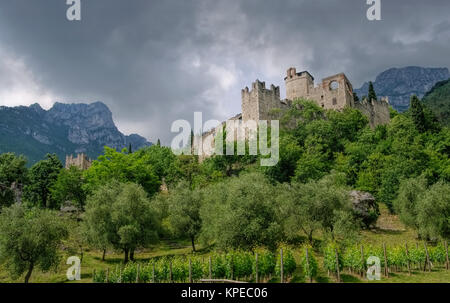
column 126, row 255
column 193, row 244
column 310, row 238
column 28, row 275
column 104, row 253
column 132, row 254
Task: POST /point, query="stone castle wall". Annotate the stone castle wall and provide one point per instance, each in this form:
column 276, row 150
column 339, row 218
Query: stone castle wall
column 377, row 111
column 81, row 161
column 334, row 92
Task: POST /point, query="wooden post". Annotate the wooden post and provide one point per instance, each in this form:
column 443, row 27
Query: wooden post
column 256, row 267
column 363, row 261
column 170, row 272
column 137, row 273
column 93, row 276
column 210, row 267
column 107, row 275
column 337, row 266
column 428, row 256
column 190, row 271
column 407, row 259
column 447, row 263
column 307, row 264
column 153, row 272
column 386, row 270
column 281, row 266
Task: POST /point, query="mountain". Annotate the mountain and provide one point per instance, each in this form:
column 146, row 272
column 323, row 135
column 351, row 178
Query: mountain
column 64, row 129
column 398, row 84
column 438, row 100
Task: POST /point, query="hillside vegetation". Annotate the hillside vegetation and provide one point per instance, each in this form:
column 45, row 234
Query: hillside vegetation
column 228, row 204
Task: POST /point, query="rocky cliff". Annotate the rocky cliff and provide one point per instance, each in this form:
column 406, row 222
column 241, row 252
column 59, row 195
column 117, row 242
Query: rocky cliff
column 398, row 84
column 64, row 129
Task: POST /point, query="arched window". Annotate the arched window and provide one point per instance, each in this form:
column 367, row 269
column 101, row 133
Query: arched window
column 334, row 85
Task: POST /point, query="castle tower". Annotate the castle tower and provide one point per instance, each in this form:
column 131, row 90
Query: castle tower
column 257, row 102
column 298, row 85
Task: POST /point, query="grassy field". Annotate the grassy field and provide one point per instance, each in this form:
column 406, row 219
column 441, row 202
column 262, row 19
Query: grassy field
column 389, row 230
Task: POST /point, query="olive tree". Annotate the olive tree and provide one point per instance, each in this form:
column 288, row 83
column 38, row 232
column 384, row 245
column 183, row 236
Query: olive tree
column 30, row 239
column 121, row 215
column 240, row 213
column 184, row 212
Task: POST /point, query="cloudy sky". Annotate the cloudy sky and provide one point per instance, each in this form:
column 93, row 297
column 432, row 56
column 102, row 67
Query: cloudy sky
column 153, row 62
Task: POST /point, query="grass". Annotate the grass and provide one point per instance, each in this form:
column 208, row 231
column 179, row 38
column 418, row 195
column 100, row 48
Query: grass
column 389, row 230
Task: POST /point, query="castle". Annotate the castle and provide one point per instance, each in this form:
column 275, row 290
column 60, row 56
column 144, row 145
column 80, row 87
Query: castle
column 81, row 161
column 334, row 92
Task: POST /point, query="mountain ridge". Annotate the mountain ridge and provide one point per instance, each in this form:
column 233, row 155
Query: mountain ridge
column 398, row 84
column 63, row 129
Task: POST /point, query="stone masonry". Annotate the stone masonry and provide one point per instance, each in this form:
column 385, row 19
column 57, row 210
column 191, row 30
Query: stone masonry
column 81, row 161
column 334, row 92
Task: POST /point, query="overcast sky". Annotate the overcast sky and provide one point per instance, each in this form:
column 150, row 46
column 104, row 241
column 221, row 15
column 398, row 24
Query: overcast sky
column 153, row 62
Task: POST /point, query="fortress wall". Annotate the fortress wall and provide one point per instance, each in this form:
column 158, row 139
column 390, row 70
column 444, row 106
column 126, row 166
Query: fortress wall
column 376, row 110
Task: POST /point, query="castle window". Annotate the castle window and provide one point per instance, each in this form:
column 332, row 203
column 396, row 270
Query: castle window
column 334, row 85
column 334, row 101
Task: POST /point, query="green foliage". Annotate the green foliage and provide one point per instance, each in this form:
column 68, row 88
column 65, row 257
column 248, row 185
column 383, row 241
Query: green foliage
column 13, row 172
column 266, row 263
column 122, row 167
column 240, row 213
column 322, row 205
column 417, row 114
column 437, row 100
column 289, row 264
column 69, row 186
column 120, row 215
column 30, row 239
column 309, row 264
column 433, row 212
column 371, row 94
column 42, row 176
column 184, row 212
column 329, row 258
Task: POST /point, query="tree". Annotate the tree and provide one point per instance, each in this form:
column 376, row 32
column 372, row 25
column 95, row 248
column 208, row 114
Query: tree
column 69, row 187
column 158, row 143
column 122, row 167
column 417, row 114
column 355, row 97
column 405, row 205
column 13, row 173
column 433, row 212
column 42, row 176
column 30, row 239
column 240, row 213
column 120, row 215
column 371, row 94
column 322, row 205
column 184, row 212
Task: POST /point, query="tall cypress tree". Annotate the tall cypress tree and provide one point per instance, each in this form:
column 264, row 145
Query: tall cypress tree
column 372, row 94
column 417, row 114
column 355, row 97
column 158, row 143
column 130, row 151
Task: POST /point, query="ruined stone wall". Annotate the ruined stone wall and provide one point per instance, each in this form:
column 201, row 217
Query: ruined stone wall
column 81, row 161
column 334, row 92
column 377, row 111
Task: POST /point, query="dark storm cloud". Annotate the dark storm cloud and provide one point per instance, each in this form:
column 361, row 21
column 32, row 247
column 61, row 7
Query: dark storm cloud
column 153, row 62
